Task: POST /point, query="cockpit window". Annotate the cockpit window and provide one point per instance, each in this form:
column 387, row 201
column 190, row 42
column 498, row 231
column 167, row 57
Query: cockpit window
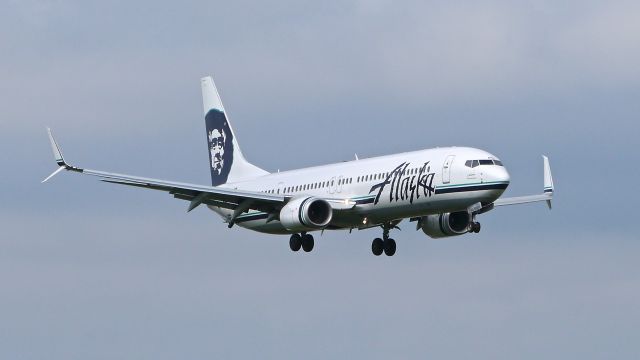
column 474, row 163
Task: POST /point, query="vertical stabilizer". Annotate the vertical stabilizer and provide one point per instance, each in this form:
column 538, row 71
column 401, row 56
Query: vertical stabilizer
column 226, row 162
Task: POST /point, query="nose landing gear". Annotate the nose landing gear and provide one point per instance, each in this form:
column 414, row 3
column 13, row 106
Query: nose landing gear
column 475, row 227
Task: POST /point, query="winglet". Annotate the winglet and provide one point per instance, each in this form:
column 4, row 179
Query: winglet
column 57, row 154
column 548, row 180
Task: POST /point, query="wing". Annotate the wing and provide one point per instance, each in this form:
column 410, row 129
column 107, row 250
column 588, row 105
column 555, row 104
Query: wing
column 547, row 195
column 238, row 200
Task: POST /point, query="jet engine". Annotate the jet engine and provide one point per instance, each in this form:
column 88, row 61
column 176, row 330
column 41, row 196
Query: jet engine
column 308, row 213
column 447, row 224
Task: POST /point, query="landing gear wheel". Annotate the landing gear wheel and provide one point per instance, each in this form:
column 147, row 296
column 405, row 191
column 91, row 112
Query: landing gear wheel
column 377, row 246
column 389, row 247
column 476, row 227
column 295, row 242
column 307, row 242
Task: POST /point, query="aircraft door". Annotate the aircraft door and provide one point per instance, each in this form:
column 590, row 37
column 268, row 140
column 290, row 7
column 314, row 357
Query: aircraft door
column 446, row 169
column 339, row 184
column 332, row 185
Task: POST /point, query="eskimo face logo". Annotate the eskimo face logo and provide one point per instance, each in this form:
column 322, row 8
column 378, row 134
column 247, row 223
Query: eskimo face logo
column 404, row 186
column 216, row 149
column 220, row 140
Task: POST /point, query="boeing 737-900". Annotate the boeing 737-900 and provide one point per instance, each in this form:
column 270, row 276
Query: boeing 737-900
column 442, row 190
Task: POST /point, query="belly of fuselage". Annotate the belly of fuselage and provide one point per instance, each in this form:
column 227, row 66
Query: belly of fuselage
column 383, row 211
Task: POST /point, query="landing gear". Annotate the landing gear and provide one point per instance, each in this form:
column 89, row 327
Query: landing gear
column 295, row 242
column 386, row 244
column 307, row 242
column 304, row 241
column 389, row 247
column 377, row 246
column 475, row 227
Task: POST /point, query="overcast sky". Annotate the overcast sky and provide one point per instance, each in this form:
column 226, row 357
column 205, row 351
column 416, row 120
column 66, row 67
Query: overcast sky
column 91, row 270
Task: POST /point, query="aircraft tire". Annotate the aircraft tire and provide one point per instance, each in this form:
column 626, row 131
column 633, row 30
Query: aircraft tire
column 295, row 242
column 389, row 247
column 377, row 246
column 307, row 242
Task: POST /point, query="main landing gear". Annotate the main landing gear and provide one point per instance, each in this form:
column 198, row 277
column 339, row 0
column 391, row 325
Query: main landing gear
column 304, row 241
column 386, row 244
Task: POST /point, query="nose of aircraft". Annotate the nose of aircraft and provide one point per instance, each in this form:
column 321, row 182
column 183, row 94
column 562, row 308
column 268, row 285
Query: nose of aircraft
column 498, row 174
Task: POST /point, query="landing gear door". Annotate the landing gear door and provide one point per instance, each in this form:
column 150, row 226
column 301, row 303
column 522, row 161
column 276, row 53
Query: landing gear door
column 446, row 169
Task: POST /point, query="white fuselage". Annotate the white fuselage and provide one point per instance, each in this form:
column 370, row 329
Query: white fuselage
column 385, row 188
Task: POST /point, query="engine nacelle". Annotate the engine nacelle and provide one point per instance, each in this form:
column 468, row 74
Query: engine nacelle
column 308, row 213
column 447, row 224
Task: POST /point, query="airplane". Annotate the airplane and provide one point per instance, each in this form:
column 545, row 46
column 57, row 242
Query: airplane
column 442, row 190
